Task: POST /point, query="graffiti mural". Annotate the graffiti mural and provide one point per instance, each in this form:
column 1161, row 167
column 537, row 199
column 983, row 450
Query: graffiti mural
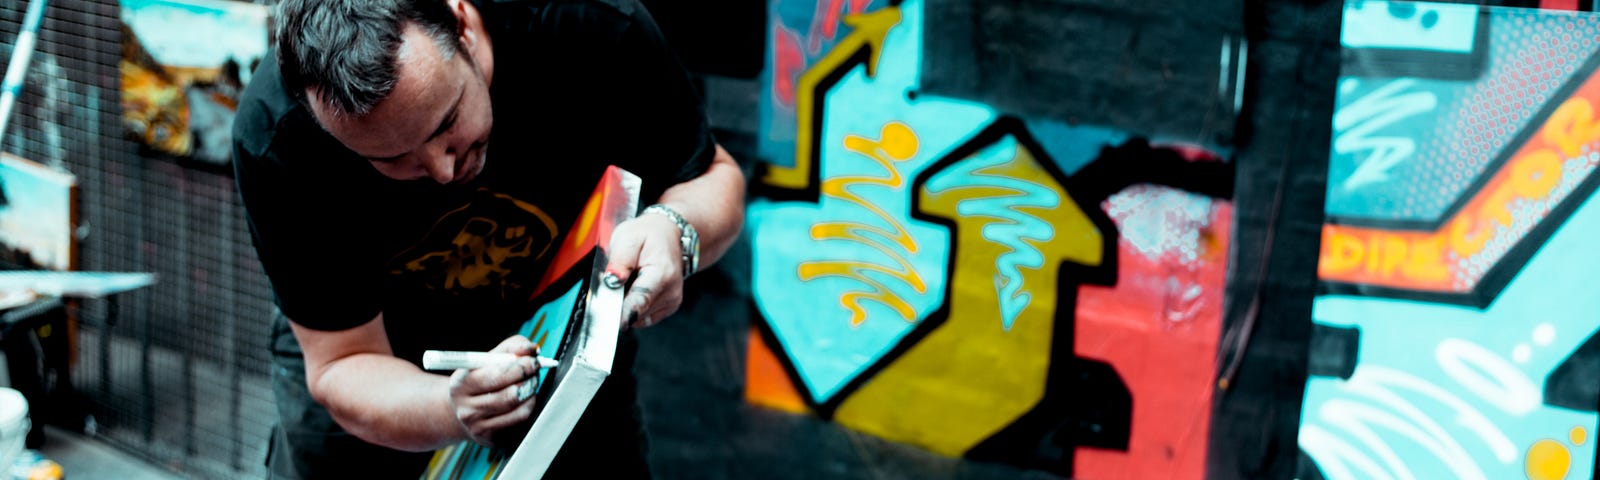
column 927, row 271
column 184, row 64
column 1457, row 211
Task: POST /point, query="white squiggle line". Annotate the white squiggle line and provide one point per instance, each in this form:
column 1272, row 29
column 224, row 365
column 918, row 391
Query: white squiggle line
column 1331, row 453
column 1355, row 417
column 1011, row 230
column 1358, row 121
column 1466, row 415
column 1012, row 299
column 1379, row 384
column 1507, row 387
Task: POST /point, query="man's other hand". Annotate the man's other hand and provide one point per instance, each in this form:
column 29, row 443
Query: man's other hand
column 491, row 398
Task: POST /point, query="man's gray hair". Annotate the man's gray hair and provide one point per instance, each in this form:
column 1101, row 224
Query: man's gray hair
column 346, row 50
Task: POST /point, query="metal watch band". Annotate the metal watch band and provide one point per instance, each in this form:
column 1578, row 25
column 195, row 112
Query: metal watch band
column 688, row 239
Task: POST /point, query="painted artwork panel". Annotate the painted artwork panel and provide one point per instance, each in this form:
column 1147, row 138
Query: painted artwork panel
column 184, row 65
column 37, row 216
column 560, row 298
column 1462, row 351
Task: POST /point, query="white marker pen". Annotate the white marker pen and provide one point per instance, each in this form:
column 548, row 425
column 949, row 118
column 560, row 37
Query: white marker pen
column 451, row 360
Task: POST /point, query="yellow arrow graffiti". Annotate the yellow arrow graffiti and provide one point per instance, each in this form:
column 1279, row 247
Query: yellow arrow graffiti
column 971, row 377
column 871, row 29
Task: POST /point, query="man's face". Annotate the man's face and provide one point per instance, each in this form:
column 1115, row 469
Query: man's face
column 435, row 123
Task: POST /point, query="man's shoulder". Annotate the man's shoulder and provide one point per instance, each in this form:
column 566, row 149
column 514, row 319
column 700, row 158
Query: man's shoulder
column 625, row 8
column 568, row 18
column 263, row 110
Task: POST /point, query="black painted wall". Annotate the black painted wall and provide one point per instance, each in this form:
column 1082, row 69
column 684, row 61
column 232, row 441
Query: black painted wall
column 1160, row 68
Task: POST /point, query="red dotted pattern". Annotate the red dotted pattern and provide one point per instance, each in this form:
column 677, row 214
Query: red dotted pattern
column 1531, row 55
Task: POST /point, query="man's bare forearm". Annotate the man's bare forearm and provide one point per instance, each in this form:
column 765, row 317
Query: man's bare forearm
column 388, row 401
column 714, row 204
column 373, row 395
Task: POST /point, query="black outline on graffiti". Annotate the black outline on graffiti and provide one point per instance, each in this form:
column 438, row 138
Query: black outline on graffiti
column 813, row 189
column 1389, row 62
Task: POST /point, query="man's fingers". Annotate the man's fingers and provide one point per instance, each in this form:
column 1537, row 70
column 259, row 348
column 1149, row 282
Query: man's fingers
column 500, row 401
column 645, row 293
column 486, row 428
column 494, row 377
column 516, row 345
column 624, row 252
column 662, row 305
column 489, row 404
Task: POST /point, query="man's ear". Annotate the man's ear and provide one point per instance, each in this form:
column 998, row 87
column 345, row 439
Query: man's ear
column 473, row 39
column 467, row 36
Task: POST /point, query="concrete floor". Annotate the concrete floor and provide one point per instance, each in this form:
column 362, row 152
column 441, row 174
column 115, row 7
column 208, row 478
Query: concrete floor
column 91, row 458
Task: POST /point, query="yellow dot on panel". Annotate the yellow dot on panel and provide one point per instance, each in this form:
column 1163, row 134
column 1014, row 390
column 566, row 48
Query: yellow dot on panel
column 1548, row 460
column 898, row 140
column 1579, row 435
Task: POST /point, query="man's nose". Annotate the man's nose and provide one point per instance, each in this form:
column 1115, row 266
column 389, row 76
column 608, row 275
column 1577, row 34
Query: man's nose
column 441, row 167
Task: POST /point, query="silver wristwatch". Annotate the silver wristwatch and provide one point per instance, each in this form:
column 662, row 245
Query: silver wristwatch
column 689, row 240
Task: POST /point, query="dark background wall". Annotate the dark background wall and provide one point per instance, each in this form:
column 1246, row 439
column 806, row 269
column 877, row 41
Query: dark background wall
column 1154, row 67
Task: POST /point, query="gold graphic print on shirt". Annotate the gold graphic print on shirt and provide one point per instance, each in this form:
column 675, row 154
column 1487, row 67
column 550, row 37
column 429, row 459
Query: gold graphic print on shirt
column 490, row 247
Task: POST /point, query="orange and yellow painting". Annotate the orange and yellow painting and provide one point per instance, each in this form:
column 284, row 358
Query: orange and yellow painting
column 184, row 64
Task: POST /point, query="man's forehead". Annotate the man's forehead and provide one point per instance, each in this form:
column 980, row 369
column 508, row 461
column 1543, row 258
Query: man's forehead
column 425, row 89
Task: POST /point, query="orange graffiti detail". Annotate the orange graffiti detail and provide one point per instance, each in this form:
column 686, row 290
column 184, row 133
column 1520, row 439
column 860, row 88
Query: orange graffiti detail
column 1409, row 257
column 1572, row 126
column 766, row 382
column 1434, row 261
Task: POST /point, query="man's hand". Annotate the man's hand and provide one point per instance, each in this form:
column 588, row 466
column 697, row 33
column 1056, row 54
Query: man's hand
column 647, row 251
column 491, row 398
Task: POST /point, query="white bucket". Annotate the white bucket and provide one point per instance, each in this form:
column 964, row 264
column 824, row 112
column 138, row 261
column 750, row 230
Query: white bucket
column 14, row 426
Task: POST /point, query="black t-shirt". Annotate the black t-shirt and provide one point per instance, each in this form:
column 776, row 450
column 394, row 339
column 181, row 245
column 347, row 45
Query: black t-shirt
column 578, row 85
